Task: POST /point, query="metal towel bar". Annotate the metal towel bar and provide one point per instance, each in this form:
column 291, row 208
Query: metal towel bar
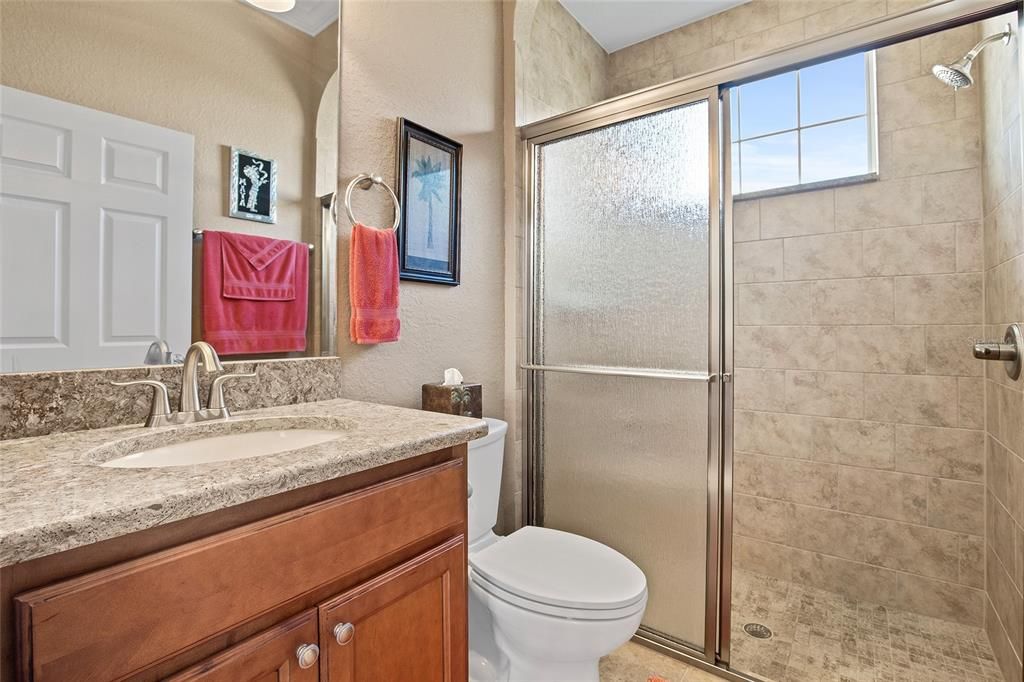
column 198, row 234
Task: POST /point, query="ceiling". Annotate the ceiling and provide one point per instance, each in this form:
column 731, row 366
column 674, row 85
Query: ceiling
column 309, row 16
column 616, row 24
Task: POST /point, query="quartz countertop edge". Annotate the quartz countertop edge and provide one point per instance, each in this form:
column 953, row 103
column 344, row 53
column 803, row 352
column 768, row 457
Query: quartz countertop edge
column 54, row 496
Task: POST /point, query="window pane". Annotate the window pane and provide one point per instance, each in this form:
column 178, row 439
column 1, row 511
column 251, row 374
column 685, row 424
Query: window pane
column 832, row 90
column 769, row 162
column 736, row 168
column 768, row 106
column 835, row 150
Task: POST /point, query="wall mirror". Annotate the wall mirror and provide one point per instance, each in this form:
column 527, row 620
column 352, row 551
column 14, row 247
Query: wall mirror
column 120, row 125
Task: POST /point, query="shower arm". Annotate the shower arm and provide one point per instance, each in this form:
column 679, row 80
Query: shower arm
column 985, row 42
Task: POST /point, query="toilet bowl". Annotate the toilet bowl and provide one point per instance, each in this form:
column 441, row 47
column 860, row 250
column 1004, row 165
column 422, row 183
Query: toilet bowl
column 545, row 605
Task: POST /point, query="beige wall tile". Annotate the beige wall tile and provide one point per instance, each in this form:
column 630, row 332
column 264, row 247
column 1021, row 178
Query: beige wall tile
column 948, row 350
column 1003, row 417
column 1004, row 231
column 767, row 520
column 972, row 561
column 939, row 299
column 759, row 261
column 746, row 220
column 849, row 578
column 785, row 347
column 972, row 402
column 910, row 399
column 950, row 453
column 898, row 62
column 743, row 20
column 1009, row 662
column 759, row 389
column 631, row 59
column 910, row 250
column 1000, row 533
column 882, row 203
column 936, row 148
column 790, row 10
column 881, row 348
column 826, row 394
column 803, row 213
column 704, row 60
column 780, row 303
column 854, row 442
column 915, row 102
column 842, row 16
column 970, row 252
column 956, row 505
column 771, row 39
column 908, row 547
column 955, row 195
column 1006, row 600
column 888, row 494
column 794, row 480
column 853, row 301
column 783, row 435
column 825, row 256
column 830, row 532
column 940, row 599
column 682, row 41
column 766, row 558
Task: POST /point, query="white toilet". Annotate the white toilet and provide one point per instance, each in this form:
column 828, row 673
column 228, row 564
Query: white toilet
column 544, row 605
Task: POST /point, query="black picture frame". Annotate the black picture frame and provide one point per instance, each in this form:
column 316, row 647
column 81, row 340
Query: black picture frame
column 253, row 186
column 429, row 178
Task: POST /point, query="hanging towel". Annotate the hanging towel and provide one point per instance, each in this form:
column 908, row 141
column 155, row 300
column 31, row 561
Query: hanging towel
column 373, row 284
column 255, row 293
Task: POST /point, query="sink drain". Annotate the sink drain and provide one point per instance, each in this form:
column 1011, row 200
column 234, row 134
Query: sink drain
column 757, row 630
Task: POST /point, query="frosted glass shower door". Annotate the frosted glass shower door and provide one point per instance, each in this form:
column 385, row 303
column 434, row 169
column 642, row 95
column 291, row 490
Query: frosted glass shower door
column 622, row 346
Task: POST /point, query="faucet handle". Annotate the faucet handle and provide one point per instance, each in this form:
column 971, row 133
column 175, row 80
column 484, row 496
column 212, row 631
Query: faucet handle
column 216, row 401
column 160, row 407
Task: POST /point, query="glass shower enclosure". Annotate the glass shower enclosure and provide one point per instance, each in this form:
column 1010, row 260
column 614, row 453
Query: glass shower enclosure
column 624, row 350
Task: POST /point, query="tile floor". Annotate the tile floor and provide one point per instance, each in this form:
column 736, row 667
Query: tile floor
column 823, row 636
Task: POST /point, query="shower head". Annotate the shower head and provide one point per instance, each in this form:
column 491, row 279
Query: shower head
column 958, row 74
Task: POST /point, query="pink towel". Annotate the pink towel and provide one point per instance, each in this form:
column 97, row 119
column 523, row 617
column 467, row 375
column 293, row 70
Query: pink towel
column 255, row 293
column 373, row 285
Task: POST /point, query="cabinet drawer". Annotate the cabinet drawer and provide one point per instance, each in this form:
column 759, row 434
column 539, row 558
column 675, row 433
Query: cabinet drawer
column 117, row 621
column 271, row 656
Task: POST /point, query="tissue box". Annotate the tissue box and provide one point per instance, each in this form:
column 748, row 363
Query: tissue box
column 461, row 399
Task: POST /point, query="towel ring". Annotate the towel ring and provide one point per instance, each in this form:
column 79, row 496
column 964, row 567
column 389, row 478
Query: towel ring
column 370, row 181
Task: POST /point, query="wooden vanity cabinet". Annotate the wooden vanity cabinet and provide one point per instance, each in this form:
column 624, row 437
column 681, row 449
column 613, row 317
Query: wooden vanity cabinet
column 372, row 583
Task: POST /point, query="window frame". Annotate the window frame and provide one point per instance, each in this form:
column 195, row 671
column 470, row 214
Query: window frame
column 870, row 114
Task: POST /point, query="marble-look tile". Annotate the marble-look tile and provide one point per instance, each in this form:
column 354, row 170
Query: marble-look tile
column 774, row 303
column 940, row 599
column 743, row 20
column 759, row 261
column 898, row 62
column 1006, row 600
column 746, row 220
column 910, row 250
column 790, row 10
column 1000, row 533
column 826, row 256
column 920, row 400
column 830, row 532
column 767, row 558
column 1009, row 661
column 769, row 520
column 759, row 389
column 972, row 561
column 682, row 41
column 792, row 215
column 888, row 494
column 948, row 350
column 853, row 301
column 631, row 59
column 1004, row 231
column 853, row 442
column 936, row 148
column 955, row 195
column 703, row 60
column 881, row 348
column 825, row 394
column 793, row 480
column 770, row 39
column 956, row 505
column 843, row 16
column 939, row 299
column 785, row 347
column 847, row 578
column 914, row 102
column 914, row 549
column 971, row 407
column 883, row 203
column 950, row 453
column 1003, row 415
column 783, row 435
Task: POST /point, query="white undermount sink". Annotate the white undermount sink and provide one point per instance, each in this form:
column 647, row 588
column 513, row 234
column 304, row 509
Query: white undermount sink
column 218, row 442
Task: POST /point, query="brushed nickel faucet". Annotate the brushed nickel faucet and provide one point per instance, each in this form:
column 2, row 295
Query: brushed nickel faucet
column 190, row 409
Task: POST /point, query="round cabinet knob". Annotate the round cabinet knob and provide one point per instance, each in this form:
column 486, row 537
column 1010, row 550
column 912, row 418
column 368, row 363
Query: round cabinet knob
column 344, row 632
column 307, row 655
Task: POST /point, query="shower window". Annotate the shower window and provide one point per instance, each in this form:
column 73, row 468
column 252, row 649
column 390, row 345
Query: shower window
column 806, row 128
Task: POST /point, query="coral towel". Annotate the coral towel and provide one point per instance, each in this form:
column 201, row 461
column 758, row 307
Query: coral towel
column 373, row 284
column 255, row 293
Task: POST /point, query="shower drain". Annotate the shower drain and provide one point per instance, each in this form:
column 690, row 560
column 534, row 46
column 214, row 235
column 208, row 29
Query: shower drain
column 757, row 630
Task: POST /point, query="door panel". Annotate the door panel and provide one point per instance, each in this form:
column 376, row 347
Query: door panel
column 408, row 624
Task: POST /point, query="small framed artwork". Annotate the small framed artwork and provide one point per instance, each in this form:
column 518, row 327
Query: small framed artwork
column 430, row 193
column 253, row 187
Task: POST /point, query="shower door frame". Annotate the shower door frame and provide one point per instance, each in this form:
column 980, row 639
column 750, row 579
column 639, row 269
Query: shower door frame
column 716, row 376
column 873, row 34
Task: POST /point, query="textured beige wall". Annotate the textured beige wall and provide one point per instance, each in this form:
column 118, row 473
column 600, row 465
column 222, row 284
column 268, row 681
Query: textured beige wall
column 559, row 66
column 225, row 73
column 1004, row 293
column 859, row 461
column 449, row 79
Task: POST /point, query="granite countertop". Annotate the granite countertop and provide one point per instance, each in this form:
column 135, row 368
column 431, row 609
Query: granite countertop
column 55, row 497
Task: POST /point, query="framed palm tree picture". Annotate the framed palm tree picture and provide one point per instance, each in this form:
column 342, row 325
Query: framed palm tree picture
column 429, row 191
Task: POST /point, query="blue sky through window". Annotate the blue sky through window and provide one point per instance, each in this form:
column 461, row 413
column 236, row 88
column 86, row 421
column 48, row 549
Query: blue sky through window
column 803, row 126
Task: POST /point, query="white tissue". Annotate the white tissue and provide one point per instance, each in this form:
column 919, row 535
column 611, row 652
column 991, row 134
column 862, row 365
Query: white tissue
column 452, row 377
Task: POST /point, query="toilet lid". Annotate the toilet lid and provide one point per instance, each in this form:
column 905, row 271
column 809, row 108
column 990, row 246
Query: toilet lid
column 561, row 569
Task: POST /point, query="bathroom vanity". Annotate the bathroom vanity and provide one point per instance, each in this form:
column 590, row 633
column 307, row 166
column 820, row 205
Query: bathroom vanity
column 343, row 560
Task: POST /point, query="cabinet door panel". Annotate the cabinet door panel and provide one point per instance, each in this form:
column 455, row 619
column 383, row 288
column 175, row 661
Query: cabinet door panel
column 268, row 657
column 408, row 624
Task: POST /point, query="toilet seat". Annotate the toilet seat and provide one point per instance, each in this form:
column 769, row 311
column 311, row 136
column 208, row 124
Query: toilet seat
column 561, row 574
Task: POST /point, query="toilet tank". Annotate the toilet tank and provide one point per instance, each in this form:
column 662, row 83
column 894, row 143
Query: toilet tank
column 484, row 462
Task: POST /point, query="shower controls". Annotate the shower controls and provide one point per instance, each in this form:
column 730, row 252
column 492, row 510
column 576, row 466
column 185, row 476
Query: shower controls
column 1009, row 351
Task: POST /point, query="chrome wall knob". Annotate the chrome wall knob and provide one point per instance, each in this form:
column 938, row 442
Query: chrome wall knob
column 344, row 632
column 1009, row 351
column 307, row 655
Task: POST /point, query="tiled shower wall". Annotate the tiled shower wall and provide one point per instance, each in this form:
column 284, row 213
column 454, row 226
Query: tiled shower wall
column 859, row 442
column 1004, row 297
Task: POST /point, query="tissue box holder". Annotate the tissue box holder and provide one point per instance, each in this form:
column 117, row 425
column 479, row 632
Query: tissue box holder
column 461, row 399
